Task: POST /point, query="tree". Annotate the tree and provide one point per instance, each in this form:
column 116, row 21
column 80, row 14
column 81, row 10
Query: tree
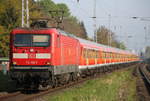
column 10, row 13
column 2, row 29
column 64, row 8
column 4, row 43
column 10, row 18
column 83, row 33
column 103, row 37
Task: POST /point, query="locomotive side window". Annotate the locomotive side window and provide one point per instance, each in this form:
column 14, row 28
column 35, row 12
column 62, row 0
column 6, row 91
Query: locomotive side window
column 84, row 53
column 31, row 40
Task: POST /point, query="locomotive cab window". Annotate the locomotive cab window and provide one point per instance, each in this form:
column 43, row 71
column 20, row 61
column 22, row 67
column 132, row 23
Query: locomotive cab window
column 40, row 40
column 32, row 40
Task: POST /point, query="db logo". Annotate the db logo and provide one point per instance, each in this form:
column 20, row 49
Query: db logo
column 31, row 56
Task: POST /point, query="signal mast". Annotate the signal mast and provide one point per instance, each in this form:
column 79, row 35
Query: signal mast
column 94, row 19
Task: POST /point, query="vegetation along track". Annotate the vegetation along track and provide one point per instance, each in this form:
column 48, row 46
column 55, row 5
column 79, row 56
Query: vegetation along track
column 143, row 82
column 30, row 95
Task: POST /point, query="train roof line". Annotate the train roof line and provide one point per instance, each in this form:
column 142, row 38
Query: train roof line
column 35, row 28
column 91, row 42
column 82, row 40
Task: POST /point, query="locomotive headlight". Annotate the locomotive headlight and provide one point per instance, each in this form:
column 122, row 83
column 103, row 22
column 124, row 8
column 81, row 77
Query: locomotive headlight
column 48, row 63
column 31, row 50
column 14, row 63
column 43, row 55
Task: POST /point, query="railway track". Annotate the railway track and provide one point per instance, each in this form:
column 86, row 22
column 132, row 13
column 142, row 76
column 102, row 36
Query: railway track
column 145, row 73
column 30, row 96
column 143, row 83
column 36, row 95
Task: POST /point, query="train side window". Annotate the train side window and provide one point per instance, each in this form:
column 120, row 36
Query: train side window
column 101, row 54
column 113, row 55
column 86, row 53
column 83, row 53
column 89, row 53
column 97, row 54
column 104, row 55
column 107, row 54
column 110, row 55
column 94, row 51
column 93, row 54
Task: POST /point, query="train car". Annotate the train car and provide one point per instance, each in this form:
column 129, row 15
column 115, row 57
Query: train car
column 96, row 55
column 39, row 57
column 49, row 56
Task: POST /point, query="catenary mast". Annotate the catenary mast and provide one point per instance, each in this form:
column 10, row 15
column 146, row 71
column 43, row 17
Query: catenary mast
column 25, row 13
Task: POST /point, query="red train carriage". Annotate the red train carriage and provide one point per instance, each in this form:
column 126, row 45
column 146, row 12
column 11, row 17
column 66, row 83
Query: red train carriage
column 97, row 55
column 48, row 56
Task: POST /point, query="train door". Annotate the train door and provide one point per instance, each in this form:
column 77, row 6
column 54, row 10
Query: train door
column 62, row 54
column 77, row 53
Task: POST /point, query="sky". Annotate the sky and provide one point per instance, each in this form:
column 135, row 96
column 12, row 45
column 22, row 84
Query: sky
column 117, row 16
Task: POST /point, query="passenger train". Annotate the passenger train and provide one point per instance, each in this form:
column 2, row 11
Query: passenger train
column 49, row 56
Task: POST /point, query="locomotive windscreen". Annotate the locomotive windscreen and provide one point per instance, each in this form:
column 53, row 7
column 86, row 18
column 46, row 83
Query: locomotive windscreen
column 32, row 40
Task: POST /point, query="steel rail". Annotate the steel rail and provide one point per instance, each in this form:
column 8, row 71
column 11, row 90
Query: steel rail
column 147, row 78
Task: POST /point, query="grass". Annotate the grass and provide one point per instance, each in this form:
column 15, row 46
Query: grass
column 117, row 86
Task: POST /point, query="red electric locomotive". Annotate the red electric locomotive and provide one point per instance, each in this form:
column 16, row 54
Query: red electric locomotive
column 49, row 56
column 37, row 56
